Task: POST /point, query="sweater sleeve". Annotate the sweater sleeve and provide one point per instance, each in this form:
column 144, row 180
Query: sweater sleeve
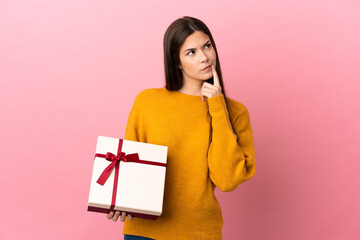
column 231, row 158
column 133, row 124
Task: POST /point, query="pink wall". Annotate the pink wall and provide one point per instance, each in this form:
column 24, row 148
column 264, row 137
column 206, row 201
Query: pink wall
column 294, row 64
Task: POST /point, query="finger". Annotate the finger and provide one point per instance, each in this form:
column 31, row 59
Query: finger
column 215, row 90
column 116, row 216
column 110, row 215
column 123, row 216
column 215, row 76
column 130, row 217
column 206, row 95
column 209, row 86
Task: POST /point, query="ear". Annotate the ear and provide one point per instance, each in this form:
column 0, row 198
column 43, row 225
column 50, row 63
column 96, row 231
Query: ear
column 179, row 66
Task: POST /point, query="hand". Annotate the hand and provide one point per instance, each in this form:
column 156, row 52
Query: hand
column 208, row 90
column 115, row 216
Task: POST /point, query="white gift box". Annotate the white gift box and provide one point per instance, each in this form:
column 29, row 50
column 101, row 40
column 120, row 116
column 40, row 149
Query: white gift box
column 140, row 185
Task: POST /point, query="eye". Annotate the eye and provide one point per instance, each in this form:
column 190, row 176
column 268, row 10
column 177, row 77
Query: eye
column 190, row 52
column 208, row 45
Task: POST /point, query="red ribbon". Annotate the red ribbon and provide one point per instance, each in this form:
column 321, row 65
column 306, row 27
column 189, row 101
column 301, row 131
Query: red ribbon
column 115, row 161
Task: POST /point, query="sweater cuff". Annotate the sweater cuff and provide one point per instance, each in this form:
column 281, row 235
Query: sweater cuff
column 216, row 103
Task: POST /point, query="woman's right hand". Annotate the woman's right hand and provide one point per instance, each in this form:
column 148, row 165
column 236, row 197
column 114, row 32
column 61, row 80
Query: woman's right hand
column 115, row 216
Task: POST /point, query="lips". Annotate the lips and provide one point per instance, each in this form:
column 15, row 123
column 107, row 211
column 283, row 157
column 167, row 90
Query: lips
column 206, row 67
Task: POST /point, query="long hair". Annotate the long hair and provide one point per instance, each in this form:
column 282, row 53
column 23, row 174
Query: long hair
column 174, row 37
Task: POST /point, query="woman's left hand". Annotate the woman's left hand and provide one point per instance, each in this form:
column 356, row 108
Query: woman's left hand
column 208, row 90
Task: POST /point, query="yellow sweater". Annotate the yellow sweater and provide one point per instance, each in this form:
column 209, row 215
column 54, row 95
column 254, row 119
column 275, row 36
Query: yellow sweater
column 203, row 153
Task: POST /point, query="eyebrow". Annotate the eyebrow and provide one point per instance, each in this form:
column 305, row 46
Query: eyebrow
column 195, row 48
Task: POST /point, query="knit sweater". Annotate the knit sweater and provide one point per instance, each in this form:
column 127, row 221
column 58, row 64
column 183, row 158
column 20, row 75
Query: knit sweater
column 203, row 153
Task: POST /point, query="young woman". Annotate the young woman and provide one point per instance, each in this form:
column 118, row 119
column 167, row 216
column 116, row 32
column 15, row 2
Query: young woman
column 209, row 138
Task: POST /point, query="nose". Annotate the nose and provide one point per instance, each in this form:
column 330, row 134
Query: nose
column 203, row 56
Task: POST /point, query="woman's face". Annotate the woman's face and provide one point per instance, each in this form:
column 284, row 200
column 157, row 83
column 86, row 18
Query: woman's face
column 196, row 53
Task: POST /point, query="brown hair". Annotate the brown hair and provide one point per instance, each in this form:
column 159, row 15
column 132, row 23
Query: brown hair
column 174, row 37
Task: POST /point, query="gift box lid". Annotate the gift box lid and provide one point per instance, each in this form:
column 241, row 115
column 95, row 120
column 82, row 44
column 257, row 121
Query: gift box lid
column 140, row 186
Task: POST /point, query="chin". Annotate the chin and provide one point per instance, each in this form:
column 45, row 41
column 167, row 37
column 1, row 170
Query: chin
column 206, row 75
column 204, row 78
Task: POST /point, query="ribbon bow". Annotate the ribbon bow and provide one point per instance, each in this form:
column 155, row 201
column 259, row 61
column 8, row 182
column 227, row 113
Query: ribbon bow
column 114, row 159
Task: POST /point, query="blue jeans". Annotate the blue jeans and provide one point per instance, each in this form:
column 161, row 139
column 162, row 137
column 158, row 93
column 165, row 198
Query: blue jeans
column 133, row 237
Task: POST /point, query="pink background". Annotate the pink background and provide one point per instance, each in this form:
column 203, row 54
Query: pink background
column 294, row 64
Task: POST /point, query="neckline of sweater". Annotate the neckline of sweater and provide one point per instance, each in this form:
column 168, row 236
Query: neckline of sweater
column 183, row 95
